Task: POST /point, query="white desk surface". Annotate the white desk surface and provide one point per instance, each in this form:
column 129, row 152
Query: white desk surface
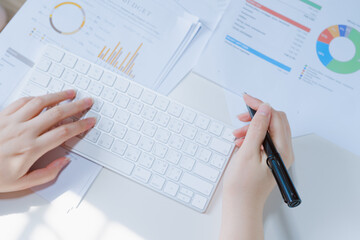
column 116, row 208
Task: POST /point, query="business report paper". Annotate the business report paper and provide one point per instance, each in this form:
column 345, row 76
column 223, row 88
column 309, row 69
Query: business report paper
column 301, row 56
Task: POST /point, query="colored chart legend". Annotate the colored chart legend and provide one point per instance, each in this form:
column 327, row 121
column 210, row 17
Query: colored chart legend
column 323, row 49
column 119, row 60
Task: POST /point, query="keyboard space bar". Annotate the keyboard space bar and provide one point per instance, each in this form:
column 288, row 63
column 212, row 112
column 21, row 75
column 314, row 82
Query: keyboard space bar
column 99, row 155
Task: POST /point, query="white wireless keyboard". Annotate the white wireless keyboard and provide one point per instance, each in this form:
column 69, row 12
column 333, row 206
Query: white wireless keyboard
column 139, row 134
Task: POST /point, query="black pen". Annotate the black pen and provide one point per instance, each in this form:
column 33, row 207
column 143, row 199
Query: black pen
column 279, row 171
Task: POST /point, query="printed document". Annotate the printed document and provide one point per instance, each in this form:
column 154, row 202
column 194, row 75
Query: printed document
column 301, row 56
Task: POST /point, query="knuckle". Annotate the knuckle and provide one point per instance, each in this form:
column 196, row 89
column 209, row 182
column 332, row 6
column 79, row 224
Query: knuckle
column 38, row 101
column 64, row 131
column 57, row 112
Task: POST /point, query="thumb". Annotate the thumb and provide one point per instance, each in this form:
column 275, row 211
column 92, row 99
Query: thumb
column 258, row 128
column 42, row 175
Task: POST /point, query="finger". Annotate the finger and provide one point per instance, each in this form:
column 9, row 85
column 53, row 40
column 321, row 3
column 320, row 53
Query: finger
column 244, row 117
column 252, row 102
column 42, row 175
column 51, row 117
column 241, row 132
column 13, row 107
column 37, row 104
column 59, row 135
column 258, row 128
column 239, row 142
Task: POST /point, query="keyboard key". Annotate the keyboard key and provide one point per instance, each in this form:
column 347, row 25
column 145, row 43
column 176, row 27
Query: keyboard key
column 95, row 88
column 54, row 53
column 190, row 148
column 93, row 135
column 175, row 109
column 56, row 70
column 161, row 103
column 122, row 116
column 173, row 173
column 199, row 201
column 175, row 125
column 44, row 64
column 55, row 85
column 121, row 84
column 148, row 113
column 106, row 140
column 183, row 197
column 203, row 138
column 82, row 82
column 188, row 116
column 160, row 150
column 69, row 76
column 98, row 103
column 149, row 129
column 146, row 144
column 148, row 97
column 135, row 106
column 186, row 192
column 40, row 78
column 105, row 124
column 173, row 156
column 95, row 72
column 171, row 188
column 132, row 154
column 119, row 147
column 33, row 90
column 122, row 100
column 189, row 132
column 135, row 91
column 203, row 154
column 216, row 128
column 132, row 137
column 196, row 184
column 92, row 114
column 162, row 135
column 135, row 122
column 218, row 161
column 157, row 181
column 108, row 94
column 162, row 119
column 220, row 146
column 176, row 141
column 69, row 61
column 160, row 166
column 206, row 172
column 119, row 131
column 82, row 66
column 146, row 160
column 187, row 162
column 108, row 110
column 142, row 174
column 202, row 122
column 228, row 135
column 106, row 158
column 108, row 79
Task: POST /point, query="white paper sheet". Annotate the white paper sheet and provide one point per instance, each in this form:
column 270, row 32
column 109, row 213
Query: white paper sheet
column 270, row 50
column 128, row 37
column 67, row 191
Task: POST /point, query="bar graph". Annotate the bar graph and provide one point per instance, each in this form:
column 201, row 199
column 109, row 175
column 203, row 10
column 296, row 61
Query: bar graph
column 119, row 59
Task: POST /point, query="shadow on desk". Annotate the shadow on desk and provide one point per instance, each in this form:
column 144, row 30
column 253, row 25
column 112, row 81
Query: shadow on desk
column 327, row 179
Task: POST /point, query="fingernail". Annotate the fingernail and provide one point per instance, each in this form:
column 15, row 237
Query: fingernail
column 71, row 93
column 244, row 93
column 91, row 122
column 264, row 109
column 65, row 162
column 88, row 102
